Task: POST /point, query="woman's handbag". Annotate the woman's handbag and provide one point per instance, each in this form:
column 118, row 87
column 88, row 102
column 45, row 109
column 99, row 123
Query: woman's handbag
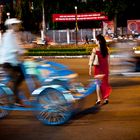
column 95, row 60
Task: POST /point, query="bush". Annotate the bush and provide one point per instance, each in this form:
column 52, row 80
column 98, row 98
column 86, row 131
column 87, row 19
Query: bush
column 61, row 50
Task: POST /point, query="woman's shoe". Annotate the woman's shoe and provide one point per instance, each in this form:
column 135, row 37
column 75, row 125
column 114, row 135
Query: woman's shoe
column 98, row 102
column 105, row 102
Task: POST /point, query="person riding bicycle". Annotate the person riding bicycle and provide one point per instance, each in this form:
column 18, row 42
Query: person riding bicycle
column 11, row 52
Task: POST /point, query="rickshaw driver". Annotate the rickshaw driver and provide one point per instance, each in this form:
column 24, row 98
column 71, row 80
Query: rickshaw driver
column 10, row 58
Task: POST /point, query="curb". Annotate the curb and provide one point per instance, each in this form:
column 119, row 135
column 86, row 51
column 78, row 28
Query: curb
column 80, row 56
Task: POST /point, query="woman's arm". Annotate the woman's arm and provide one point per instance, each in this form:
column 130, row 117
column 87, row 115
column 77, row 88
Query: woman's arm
column 91, row 58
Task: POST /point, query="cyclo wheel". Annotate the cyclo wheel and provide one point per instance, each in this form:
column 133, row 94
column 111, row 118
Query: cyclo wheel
column 53, row 108
column 4, row 103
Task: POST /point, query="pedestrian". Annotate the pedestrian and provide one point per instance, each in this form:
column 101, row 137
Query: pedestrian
column 99, row 59
column 11, row 52
column 86, row 40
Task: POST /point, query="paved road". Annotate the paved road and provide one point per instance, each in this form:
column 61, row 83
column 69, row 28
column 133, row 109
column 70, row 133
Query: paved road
column 119, row 120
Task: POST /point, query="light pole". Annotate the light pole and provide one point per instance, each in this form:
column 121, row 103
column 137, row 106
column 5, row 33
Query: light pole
column 8, row 15
column 76, row 24
column 43, row 23
column 32, row 6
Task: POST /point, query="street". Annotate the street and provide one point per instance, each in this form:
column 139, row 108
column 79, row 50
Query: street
column 118, row 120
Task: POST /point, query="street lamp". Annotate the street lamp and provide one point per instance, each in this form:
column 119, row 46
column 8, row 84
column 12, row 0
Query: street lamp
column 8, row 15
column 31, row 7
column 43, row 23
column 76, row 24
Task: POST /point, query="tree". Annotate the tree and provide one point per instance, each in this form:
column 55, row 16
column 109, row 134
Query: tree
column 115, row 9
column 32, row 17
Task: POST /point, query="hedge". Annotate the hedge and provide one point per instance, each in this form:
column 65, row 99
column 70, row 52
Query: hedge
column 61, row 50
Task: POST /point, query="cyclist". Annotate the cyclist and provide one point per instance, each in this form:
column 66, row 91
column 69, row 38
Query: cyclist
column 10, row 57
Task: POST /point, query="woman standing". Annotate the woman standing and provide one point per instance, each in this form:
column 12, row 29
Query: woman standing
column 99, row 61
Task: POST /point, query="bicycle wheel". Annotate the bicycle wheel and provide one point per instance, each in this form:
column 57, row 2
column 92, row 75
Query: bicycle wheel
column 53, row 108
column 4, row 103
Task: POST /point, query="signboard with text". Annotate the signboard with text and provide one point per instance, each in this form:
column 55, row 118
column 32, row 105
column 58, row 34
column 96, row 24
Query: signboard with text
column 80, row 17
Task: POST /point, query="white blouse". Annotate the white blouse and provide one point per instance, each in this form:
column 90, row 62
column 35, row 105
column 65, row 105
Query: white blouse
column 10, row 48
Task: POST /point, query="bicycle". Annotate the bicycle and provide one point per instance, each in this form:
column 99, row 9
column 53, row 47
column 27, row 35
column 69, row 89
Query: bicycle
column 52, row 102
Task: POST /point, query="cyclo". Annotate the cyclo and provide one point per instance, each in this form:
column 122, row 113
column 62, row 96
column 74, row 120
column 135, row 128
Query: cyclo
column 51, row 102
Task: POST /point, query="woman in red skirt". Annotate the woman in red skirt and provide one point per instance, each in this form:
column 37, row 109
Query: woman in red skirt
column 99, row 59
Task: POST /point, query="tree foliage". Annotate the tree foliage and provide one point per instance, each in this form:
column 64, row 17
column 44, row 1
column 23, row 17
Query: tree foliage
column 32, row 16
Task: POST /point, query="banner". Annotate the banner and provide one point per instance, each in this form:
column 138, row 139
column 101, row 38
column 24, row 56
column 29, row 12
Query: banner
column 133, row 26
column 108, row 27
column 80, row 17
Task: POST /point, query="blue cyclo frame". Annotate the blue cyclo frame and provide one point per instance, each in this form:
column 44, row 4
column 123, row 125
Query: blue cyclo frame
column 52, row 102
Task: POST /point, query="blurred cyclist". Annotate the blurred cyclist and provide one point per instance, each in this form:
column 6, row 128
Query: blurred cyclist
column 11, row 52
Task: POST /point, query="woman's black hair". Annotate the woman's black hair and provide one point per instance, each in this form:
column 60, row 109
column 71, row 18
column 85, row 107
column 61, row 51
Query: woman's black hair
column 103, row 47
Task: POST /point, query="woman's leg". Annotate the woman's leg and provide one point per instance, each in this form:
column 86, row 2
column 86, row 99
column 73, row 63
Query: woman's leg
column 98, row 91
column 105, row 90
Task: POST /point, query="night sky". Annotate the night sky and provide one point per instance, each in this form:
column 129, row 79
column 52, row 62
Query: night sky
column 132, row 12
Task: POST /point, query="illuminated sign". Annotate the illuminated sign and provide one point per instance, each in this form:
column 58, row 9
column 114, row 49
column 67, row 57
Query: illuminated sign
column 80, row 17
